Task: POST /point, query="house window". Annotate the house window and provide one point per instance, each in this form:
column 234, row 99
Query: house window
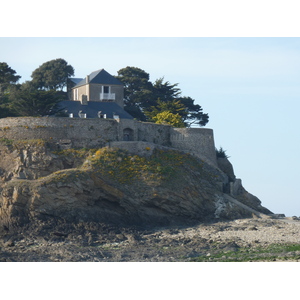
column 106, row 89
column 106, row 94
column 76, row 94
column 101, row 115
column 81, row 114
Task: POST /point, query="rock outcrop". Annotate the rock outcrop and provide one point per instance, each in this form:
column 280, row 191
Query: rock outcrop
column 114, row 186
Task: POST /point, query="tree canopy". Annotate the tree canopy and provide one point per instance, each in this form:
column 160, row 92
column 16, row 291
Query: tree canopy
column 144, row 100
column 32, row 98
column 194, row 113
column 137, row 90
column 159, row 102
column 52, row 75
column 171, row 113
column 7, row 76
column 166, row 117
column 165, row 91
column 8, row 79
column 26, row 100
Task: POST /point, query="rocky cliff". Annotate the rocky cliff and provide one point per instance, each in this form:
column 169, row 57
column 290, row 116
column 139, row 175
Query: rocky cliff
column 161, row 187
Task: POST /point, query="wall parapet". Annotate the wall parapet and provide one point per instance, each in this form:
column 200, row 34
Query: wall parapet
column 98, row 132
column 82, row 132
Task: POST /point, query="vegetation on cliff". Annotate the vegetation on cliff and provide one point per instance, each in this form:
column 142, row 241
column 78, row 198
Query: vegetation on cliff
column 22, row 143
column 221, row 153
column 119, row 166
column 108, row 184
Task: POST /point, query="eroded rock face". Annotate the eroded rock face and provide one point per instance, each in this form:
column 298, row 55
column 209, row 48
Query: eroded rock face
column 225, row 165
column 27, row 162
column 38, row 183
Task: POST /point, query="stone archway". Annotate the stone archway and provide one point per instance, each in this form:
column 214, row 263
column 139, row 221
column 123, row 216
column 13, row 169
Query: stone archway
column 128, row 134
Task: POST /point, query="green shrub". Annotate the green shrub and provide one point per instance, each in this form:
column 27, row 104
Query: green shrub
column 221, row 153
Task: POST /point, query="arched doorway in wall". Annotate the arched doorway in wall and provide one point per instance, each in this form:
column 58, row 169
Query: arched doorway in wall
column 127, row 134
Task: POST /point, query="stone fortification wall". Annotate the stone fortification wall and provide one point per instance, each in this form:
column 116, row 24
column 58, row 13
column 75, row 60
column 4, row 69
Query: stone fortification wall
column 80, row 132
column 153, row 133
column 199, row 141
column 69, row 132
column 145, row 132
column 137, row 147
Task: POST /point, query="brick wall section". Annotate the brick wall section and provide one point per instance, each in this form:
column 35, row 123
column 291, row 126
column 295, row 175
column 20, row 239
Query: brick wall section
column 98, row 132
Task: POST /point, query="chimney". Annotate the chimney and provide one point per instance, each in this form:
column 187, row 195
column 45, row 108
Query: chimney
column 87, row 79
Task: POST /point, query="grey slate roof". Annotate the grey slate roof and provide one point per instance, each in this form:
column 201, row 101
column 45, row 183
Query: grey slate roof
column 92, row 108
column 100, row 77
column 76, row 80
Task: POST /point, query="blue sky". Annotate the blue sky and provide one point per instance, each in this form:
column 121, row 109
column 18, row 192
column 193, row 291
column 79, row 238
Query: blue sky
column 250, row 87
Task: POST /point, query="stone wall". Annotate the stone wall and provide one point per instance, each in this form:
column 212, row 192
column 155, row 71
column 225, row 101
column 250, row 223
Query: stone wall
column 199, row 141
column 98, row 132
column 81, row 132
column 145, row 132
column 153, row 133
column 137, row 147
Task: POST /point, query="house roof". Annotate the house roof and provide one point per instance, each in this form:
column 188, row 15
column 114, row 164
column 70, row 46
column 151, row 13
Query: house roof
column 93, row 107
column 100, row 77
column 76, row 80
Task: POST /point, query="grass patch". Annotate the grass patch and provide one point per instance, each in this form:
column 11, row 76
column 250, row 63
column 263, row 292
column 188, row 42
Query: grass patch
column 6, row 142
column 65, row 177
column 75, row 152
column 270, row 253
column 31, row 142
